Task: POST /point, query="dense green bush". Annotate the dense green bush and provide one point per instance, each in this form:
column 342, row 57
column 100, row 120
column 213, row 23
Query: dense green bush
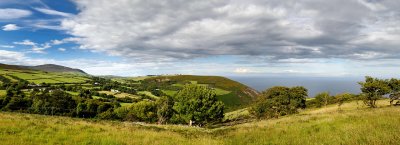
column 198, row 104
column 279, row 101
column 164, row 109
column 143, row 111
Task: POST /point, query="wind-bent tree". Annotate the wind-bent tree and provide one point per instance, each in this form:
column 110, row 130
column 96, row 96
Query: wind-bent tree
column 279, row 101
column 394, row 85
column 197, row 104
column 373, row 89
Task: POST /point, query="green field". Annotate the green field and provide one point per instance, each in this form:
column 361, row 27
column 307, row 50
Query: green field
column 118, row 95
column 49, row 81
column 73, row 93
column 125, row 104
column 140, row 78
column 10, row 78
column 147, row 93
column 169, row 92
column 356, row 124
column 38, row 77
column 70, row 80
column 2, row 93
column 123, row 95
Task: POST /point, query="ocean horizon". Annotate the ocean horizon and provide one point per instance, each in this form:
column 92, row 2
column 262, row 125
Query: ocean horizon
column 314, row 85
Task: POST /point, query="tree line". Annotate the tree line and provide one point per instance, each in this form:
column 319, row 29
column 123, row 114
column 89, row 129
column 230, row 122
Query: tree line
column 279, row 101
column 194, row 104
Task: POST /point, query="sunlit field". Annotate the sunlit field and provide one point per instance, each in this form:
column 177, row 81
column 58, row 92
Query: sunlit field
column 354, row 124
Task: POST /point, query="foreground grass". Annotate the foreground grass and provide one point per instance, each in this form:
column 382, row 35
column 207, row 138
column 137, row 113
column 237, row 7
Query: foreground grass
column 353, row 125
column 324, row 126
column 36, row 129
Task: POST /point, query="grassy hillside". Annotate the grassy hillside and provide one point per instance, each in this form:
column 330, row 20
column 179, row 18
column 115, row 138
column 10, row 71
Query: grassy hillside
column 354, row 125
column 56, row 68
column 15, row 67
column 232, row 93
column 38, row 77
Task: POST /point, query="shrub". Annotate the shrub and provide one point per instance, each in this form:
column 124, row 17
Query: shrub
column 279, row 101
column 164, row 109
column 198, row 104
column 143, row 111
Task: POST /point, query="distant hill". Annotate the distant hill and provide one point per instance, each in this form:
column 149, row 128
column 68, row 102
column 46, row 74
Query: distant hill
column 238, row 96
column 45, row 67
column 17, row 67
column 56, row 68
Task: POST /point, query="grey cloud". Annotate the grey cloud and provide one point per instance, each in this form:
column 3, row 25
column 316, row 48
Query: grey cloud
column 178, row 29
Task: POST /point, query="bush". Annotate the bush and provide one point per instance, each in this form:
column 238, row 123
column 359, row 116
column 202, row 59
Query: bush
column 279, row 101
column 145, row 111
column 164, row 109
column 121, row 113
column 198, row 104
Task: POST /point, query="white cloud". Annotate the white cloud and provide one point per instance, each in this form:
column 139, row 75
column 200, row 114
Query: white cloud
column 7, row 46
column 11, row 56
column 63, row 41
column 47, row 26
column 62, row 49
column 26, row 42
column 57, row 42
column 127, row 68
column 53, row 12
column 242, row 70
column 9, row 13
column 35, row 47
column 11, row 27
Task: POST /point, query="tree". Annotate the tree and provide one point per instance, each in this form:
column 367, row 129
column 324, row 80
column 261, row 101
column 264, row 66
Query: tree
column 298, row 97
column 143, row 111
column 86, row 94
column 164, row 109
column 15, row 99
column 394, row 95
column 373, row 89
column 199, row 104
column 56, row 103
column 279, row 101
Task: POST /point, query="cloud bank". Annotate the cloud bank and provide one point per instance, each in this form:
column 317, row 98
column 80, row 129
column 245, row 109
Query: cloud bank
column 177, row 29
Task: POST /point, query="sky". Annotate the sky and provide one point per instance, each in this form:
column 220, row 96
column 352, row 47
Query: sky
column 335, row 38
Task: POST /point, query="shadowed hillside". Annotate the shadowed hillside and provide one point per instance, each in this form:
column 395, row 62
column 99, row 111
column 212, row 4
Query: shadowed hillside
column 56, row 68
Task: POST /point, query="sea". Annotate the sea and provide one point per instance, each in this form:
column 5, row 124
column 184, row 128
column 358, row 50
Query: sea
column 315, row 85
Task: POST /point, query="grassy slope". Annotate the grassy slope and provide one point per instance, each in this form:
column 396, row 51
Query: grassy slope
column 232, row 93
column 316, row 126
column 325, row 126
column 40, row 76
